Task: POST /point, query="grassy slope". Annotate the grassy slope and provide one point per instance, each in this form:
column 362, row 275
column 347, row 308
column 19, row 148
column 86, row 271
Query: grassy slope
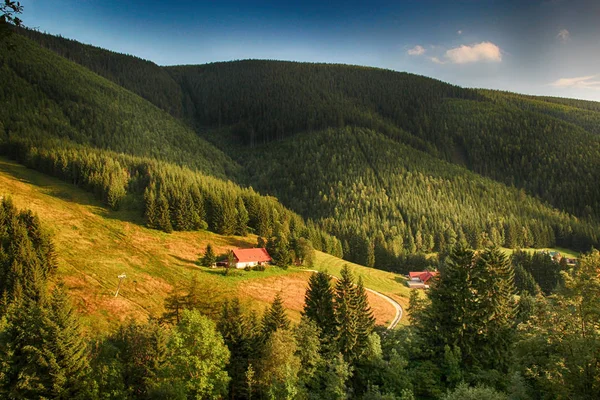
column 94, row 245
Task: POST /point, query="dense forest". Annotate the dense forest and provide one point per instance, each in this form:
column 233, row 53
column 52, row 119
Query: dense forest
column 396, row 183
column 490, row 328
column 92, row 133
column 384, row 199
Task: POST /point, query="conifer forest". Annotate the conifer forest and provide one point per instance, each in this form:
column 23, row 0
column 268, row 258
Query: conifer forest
column 388, row 173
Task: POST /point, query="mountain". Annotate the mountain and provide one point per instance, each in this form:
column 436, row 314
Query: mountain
column 67, row 121
column 389, row 163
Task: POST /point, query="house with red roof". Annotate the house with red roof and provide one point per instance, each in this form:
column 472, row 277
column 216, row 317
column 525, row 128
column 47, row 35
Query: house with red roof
column 251, row 257
column 420, row 279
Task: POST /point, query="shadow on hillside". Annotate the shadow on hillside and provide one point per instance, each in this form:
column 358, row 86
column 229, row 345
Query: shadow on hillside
column 400, row 280
column 65, row 191
column 185, row 261
column 237, row 242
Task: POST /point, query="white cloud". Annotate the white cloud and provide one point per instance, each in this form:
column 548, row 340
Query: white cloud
column 484, row 51
column 437, row 60
column 417, row 51
column 459, row 32
column 581, row 82
column 563, row 35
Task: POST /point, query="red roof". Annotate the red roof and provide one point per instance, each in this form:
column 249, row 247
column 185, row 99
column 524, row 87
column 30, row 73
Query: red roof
column 251, row 255
column 424, row 276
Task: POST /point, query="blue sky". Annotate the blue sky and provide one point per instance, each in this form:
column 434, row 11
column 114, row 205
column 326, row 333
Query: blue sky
column 549, row 47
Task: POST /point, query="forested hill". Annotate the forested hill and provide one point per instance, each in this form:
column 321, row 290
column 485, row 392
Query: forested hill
column 142, row 77
column 550, row 147
column 66, row 121
column 45, row 96
column 418, row 164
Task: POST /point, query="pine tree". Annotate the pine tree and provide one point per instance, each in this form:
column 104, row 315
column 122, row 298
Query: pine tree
column 240, row 333
column 319, row 306
column 209, row 258
column 163, row 220
column 365, row 318
column 345, row 315
column 275, row 317
column 242, row 218
column 42, row 352
column 69, row 348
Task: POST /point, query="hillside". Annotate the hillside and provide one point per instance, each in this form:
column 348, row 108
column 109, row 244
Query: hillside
column 47, row 96
column 418, row 164
column 371, row 189
column 94, row 245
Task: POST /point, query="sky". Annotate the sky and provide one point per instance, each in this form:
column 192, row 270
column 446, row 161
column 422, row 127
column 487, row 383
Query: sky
column 545, row 47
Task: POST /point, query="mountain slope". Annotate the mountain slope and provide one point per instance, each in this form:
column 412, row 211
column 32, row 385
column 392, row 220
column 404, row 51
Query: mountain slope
column 518, row 140
column 94, row 245
column 405, row 173
column 48, row 96
column 383, row 198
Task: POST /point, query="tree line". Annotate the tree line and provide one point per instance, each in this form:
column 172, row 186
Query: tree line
column 484, row 330
column 386, row 201
column 169, row 197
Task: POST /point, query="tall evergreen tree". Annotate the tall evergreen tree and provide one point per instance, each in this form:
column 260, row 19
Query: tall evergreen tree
column 242, row 218
column 365, row 318
column 346, row 315
column 275, row 317
column 319, row 305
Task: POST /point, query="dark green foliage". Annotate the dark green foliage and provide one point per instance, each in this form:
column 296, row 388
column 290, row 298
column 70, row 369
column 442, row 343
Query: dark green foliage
column 242, row 218
column 541, row 267
column 80, row 106
column 142, row 351
column 319, row 306
column 209, row 258
column 386, row 199
column 524, row 281
column 365, row 319
column 42, row 352
column 353, row 317
column 275, row 318
column 242, row 335
column 26, row 251
column 471, row 311
column 140, row 76
column 558, row 350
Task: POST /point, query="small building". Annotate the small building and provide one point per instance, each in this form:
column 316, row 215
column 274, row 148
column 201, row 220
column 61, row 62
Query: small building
column 420, row 279
column 571, row 262
column 251, row 257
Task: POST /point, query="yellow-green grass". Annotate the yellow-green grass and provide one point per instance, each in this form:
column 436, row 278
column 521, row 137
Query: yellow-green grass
column 94, row 245
column 564, row 252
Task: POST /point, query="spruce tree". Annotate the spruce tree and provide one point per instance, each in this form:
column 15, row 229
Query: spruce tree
column 163, row 220
column 42, row 352
column 365, row 318
column 240, row 333
column 242, row 218
column 209, row 258
column 275, row 317
column 318, row 304
column 346, row 315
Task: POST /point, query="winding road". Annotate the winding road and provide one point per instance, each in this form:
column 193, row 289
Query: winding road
column 399, row 311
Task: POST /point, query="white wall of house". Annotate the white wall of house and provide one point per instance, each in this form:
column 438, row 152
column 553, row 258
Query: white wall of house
column 245, row 264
